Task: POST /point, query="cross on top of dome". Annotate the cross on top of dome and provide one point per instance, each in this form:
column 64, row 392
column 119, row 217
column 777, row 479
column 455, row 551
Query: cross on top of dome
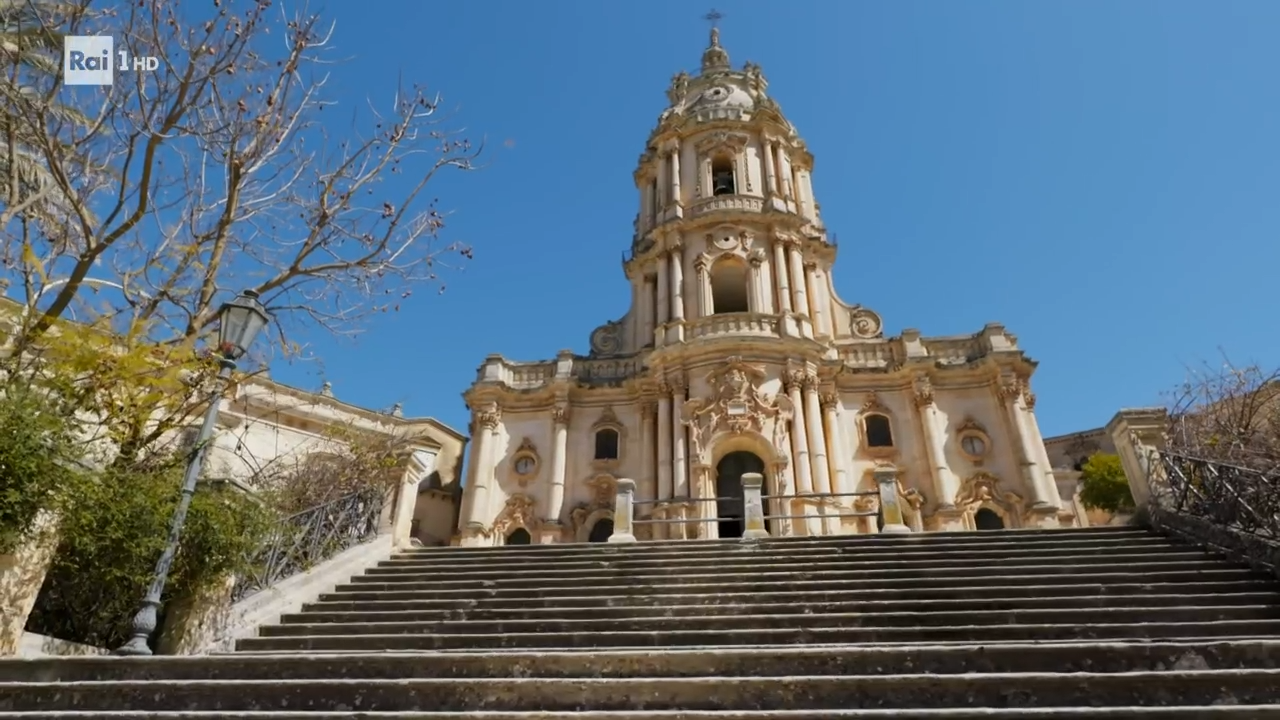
column 715, row 57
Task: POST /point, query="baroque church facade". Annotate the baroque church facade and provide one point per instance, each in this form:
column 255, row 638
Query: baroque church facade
column 737, row 356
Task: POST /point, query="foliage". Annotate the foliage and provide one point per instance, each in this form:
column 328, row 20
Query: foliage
column 162, row 195
column 1228, row 414
column 111, row 538
column 38, row 459
column 1105, row 486
column 353, row 462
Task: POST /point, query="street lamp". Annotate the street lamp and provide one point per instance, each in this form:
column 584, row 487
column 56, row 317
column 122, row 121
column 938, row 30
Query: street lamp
column 240, row 322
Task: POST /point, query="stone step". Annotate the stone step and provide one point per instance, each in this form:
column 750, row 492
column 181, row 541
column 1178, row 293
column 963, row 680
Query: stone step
column 433, row 590
column 751, row 550
column 1086, row 592
column 815, row 608
column 663, row 637
column 583, row 622
column 747, row 561
column 583, row 551
column 919, row 690
column 1013, row 537
column 963, row 571
column 719, row 662
column 1194, row 712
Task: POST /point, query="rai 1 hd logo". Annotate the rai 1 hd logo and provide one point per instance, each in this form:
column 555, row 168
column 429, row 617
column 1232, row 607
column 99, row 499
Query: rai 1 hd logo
column 93, row 60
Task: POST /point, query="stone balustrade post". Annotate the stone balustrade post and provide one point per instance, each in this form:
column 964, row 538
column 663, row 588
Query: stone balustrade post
column 753, row 527
column 890, row 508
column 1138, row 434
column 624, row 512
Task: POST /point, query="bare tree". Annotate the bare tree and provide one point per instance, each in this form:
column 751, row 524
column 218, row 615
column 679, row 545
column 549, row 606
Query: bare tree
column 1228, row 414
column 227, row 168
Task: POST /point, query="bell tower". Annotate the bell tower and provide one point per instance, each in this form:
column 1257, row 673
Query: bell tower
column 729, row 240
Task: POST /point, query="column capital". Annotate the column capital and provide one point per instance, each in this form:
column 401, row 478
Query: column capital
column 793, row 380
column 756, row 257
column 489, row 416
column 829, row 400
column 922, row 387
column 702, row 262
column 560, row 415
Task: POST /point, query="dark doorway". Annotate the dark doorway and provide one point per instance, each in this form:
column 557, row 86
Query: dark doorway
column 601, row 531
column 988, row 519
column 519, row 536
column 729, row 473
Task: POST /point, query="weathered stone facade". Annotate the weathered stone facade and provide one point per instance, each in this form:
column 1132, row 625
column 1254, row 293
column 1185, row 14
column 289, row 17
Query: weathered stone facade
column 738, row 356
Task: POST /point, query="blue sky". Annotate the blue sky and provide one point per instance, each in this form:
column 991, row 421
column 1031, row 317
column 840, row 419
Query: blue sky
column 1101, row 177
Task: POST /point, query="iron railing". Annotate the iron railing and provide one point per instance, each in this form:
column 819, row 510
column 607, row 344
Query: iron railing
column 1227, row 495
column 310, row 537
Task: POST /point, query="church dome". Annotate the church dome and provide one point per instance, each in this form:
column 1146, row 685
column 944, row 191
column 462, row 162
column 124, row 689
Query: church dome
column 718, row 92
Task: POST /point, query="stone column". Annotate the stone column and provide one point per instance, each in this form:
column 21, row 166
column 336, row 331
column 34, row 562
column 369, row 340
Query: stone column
column 798, row 296
column 816, row 308
column 679, row 460
column 786, row 489
column 770, row 176
column 486, row 421
column 664, row 442
column 945, row 484
column 800, row 453
column 753, row 527
column 645, row 312
column 675, row 175
column 780, row 272
column 817, row 436
column 646, row 204
column 1044, row 494
column 677, row 295
column 756, row 287
column 784, row 169
column 664, row 292
column 704, row 285
column 623, row 512
column 679, row 441
column 647, row 485
column 835, row 439
column 559, row 456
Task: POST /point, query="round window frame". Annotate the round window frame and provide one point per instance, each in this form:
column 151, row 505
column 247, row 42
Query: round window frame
column 980, row 437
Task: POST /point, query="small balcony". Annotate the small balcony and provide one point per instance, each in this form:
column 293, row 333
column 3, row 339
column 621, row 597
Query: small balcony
column 733, row 325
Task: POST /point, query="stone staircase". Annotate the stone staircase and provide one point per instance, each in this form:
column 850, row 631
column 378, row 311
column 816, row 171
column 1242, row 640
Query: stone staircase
column 1096, row 623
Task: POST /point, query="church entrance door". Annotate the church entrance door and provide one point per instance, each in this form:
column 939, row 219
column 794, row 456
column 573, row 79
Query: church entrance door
column 601, row 531
column 729, row 472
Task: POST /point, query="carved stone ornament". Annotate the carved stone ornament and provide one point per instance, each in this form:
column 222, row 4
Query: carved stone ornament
column 603, row 490
column 1010, row 387
column 520, row 511
column 873, row 404
column 489, row 417
column 865, row 323
column 923, row 388
column 607, row 339
column 679, row 89
column 737, row 406
column 560, row 415
column 984, row 488
column 722, row 140
column 829, row 400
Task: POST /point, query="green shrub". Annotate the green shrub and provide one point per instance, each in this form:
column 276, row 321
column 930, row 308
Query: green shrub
column 1105, row 486
column 37, row 460
column 112, row 537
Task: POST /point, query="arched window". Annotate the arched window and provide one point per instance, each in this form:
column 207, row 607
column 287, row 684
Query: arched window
column 988, row 519
column 879, row 432
column 722, row 179
column 729, row 286
column 520, row 536
column 606, row 444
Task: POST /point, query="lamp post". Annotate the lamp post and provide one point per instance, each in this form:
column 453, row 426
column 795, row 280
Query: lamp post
column 240, row 322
